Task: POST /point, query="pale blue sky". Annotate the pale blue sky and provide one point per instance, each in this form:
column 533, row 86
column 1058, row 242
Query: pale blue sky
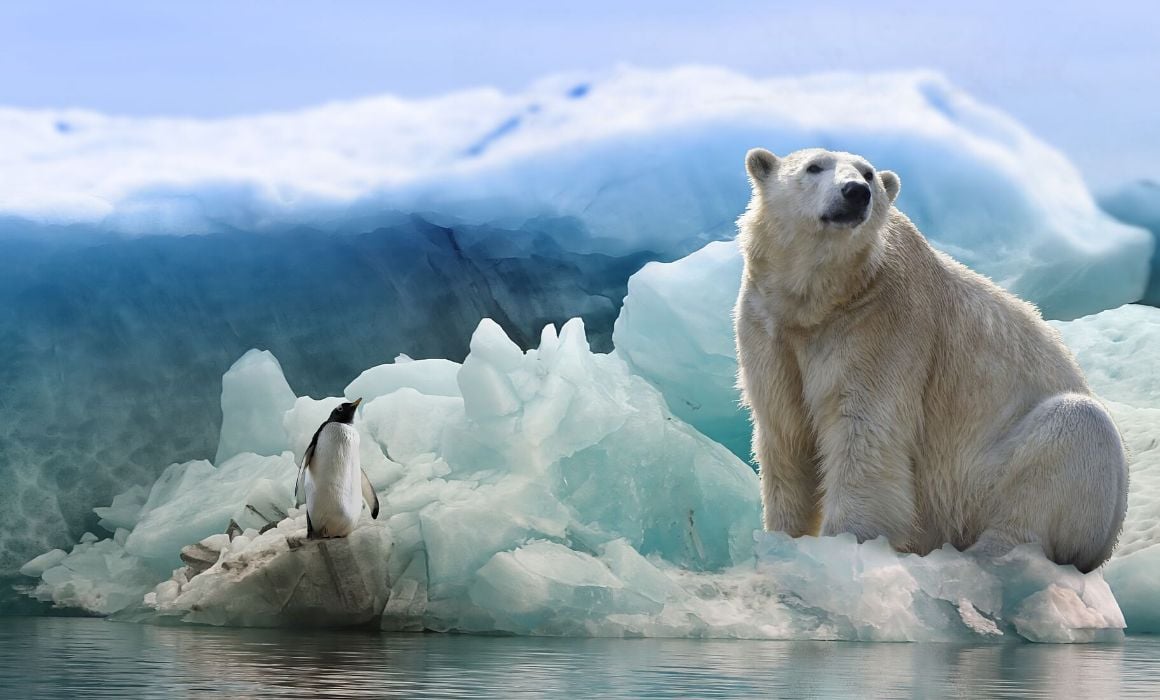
column 1083, row 75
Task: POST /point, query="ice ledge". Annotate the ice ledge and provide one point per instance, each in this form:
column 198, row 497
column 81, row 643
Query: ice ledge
column 804, row 588
column 278, row 578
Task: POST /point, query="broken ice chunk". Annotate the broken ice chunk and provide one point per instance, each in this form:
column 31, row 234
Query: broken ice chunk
column 254, row 397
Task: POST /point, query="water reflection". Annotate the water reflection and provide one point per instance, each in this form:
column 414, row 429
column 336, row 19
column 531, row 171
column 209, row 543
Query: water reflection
column 70, row 658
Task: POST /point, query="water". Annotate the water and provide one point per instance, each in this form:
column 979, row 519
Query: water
column 81, row 658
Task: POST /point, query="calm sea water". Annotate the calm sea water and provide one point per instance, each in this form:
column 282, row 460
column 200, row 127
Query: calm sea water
column 81, row 658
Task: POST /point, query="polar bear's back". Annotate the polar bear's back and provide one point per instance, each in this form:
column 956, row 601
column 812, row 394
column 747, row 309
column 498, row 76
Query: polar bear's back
column 991, row 359
column 984, row 336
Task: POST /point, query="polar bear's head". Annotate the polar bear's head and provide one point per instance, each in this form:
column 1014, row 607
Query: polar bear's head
column 820, row 194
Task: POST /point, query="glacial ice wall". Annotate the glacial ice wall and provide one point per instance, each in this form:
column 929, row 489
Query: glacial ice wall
column 543, row 492
column 1138, row 204
column 140, row 257
column 114, row 349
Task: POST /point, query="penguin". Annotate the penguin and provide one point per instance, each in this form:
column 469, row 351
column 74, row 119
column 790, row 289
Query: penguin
column 332, row 478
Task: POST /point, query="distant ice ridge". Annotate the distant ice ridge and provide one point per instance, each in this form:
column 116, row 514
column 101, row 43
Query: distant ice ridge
column 1138, row 204
column 543, row 492
column 641, row 160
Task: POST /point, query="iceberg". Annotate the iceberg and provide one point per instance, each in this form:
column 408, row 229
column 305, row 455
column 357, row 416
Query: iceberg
column 676, row 330
column 141, row 257
column 114, row 348
column 810, row 588
column 544, row 492
column 278, row 578
column 694, row 366
column 638, row 159
column 1138, row 204
column 254, row 395
column 189, row 502
column 531, row 445
column 194, row 500
column 97, row 576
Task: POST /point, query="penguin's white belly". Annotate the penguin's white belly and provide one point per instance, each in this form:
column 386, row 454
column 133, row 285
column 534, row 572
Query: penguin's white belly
column 333, row 482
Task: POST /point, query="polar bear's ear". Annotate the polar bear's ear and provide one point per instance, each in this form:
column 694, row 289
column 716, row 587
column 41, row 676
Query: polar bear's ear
column 761, row 164
column 892, row 184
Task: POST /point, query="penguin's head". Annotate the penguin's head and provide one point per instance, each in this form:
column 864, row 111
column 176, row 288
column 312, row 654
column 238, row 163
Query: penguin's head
column 344, row 413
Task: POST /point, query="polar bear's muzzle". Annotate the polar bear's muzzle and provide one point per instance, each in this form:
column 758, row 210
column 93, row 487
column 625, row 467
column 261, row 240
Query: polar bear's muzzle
column 852, row 208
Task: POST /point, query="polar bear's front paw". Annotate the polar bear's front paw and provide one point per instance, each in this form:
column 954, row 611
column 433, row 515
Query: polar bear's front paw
column 861, row 529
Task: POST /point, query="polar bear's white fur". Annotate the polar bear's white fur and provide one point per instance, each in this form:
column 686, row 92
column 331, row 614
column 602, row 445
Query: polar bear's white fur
column 895, row 392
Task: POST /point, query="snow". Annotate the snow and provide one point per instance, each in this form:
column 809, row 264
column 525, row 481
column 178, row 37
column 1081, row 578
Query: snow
column 1114, row 349
column 552, row 494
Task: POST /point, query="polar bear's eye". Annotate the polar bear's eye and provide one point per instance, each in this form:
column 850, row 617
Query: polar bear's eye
column 814, row 169
column 869, row 175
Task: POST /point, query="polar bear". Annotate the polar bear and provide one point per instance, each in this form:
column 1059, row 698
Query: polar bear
column 895, row 392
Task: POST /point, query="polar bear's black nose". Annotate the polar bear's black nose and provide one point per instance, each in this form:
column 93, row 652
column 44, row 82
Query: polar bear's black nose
column 856, row 192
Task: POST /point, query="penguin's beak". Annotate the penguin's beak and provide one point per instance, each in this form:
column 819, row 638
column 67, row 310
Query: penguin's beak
column 356, row 402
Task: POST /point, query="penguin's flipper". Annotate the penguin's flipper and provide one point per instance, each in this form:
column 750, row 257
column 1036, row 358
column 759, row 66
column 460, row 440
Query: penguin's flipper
column 309, row 454
column 369, row 495
column 309, row 528
column 300, row 486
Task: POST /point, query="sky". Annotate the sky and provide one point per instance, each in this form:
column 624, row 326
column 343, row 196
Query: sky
column 1084, row 76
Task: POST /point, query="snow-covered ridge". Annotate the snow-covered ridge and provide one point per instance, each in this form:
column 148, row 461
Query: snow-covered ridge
column 344, row 150
column 76, row 165
column 642, row 159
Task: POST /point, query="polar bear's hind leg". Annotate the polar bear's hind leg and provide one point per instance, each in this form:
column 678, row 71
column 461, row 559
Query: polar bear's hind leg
column 1064, row 484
